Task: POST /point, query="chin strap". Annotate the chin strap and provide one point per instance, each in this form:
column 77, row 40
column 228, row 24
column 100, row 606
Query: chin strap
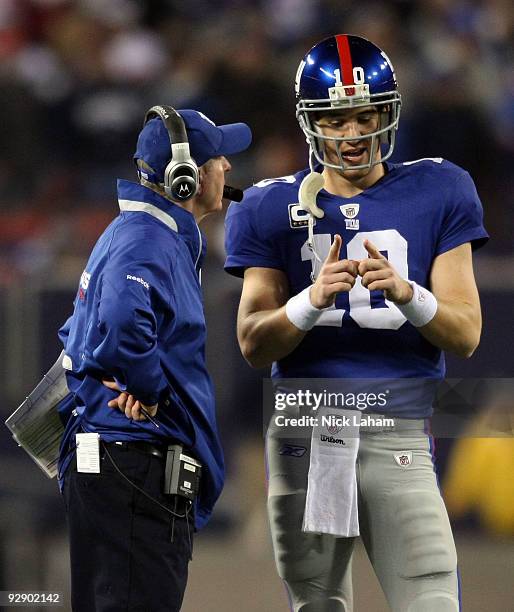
column 311, row 185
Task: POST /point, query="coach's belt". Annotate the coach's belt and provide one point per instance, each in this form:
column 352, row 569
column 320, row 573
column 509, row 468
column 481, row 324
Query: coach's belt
column 147, row 448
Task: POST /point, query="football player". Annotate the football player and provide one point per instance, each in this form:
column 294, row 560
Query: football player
column 359, row 268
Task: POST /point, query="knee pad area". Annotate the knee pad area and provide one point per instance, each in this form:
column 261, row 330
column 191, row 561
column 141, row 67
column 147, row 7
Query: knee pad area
column 426, row 540
column 298, row 555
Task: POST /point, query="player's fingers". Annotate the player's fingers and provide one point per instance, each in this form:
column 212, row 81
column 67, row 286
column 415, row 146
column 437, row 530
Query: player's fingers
column 371, row 277
column 380, row 285
column 372, row 250
column 341, row 277
column 344, row 265
column 342, row 287
column 371, row 264
column 352, row 267
column 333, row 254
column 122, row 400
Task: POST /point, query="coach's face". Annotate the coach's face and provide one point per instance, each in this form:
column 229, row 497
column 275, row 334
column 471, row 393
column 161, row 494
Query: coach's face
column 212, row 181
column 354, row 124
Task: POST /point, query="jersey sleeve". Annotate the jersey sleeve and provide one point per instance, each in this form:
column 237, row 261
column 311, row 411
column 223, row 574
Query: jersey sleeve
column 134, row 296
column 248, row 240
column 463, row 219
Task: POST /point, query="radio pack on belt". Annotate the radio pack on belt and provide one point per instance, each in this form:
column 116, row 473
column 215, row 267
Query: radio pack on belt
column 182, row 474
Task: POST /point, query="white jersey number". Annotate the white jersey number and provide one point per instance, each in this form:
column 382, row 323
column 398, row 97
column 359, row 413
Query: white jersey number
column 360, row 299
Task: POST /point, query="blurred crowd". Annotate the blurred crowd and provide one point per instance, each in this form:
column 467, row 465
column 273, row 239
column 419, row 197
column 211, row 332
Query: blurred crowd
column 76, row 77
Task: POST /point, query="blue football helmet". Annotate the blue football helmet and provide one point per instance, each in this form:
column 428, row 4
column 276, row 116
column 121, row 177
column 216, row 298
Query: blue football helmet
column 341, row 72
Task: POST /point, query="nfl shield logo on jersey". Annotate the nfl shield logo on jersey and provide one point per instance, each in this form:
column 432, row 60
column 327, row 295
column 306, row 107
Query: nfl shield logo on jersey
column 403, row 458
column 350, row 211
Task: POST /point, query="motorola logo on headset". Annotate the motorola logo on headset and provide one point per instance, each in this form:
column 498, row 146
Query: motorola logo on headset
column 181, row 176
column 183, row 189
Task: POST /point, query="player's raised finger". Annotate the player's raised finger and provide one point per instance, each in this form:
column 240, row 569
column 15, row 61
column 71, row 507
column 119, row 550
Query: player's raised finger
column 372, row 250
column 335, row 249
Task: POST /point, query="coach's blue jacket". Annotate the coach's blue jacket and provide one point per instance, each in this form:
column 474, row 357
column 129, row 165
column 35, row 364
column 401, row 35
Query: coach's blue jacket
column 138, row 317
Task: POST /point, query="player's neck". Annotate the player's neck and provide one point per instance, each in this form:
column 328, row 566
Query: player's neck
column 351, row 184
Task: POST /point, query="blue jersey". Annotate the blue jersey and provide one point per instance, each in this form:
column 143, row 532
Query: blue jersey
column 138, row 317
column 417, row 211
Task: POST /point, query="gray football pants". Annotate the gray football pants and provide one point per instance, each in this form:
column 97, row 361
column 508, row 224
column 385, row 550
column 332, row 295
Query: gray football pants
column 403, row 524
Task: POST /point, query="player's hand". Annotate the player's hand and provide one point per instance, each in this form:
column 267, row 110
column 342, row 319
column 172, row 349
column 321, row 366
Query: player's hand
column 127, row 403
column 336, row 275
column 378, row 274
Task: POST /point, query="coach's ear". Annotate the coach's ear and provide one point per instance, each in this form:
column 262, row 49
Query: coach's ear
column 202, row 177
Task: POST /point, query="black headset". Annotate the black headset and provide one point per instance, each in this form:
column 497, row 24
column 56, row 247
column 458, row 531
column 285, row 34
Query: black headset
column 181, row 177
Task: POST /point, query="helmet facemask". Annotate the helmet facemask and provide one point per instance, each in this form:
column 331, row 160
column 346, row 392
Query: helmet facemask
column 388, row 106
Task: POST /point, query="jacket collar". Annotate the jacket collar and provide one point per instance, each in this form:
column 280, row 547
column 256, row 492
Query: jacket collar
column 133, row 197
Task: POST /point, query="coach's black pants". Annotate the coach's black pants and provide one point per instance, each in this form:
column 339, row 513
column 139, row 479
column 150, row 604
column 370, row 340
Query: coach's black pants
column 122, row 556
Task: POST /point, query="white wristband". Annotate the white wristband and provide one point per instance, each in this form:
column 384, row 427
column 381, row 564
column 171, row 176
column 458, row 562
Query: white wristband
column 422, row 307
column 301, row 312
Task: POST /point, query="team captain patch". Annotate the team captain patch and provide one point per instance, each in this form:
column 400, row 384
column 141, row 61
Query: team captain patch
column 298, row 217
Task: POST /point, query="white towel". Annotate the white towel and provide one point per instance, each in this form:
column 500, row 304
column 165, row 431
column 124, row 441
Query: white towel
column 331, row 502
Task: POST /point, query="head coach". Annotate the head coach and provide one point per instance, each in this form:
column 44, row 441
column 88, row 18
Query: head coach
column 140, row 463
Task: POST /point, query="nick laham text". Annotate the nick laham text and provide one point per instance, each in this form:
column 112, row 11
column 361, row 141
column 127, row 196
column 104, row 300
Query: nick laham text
column 331, row 420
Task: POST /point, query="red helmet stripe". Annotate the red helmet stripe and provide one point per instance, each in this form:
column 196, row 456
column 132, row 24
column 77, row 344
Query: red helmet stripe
column 345, row 59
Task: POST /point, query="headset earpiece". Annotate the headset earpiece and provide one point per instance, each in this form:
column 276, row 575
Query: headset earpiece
column 181, row 176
